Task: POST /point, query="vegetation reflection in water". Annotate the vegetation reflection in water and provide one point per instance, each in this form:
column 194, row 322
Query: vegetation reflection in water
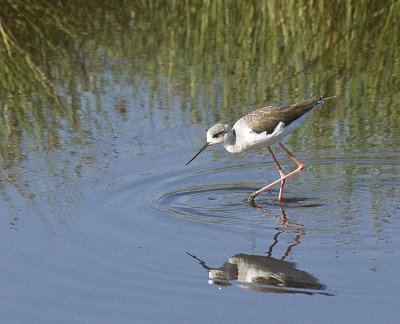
column 219, row 58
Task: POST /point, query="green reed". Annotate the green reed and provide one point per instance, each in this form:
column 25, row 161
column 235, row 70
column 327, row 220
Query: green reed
column 220, row 58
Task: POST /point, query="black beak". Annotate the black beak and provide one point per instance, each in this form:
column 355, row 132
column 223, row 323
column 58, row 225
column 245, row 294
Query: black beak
column 201, row 150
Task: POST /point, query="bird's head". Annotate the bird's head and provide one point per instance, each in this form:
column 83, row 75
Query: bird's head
column 215, row 135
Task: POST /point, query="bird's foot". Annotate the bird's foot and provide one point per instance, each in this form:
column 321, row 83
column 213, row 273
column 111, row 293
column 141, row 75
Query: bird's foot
column 250, row 199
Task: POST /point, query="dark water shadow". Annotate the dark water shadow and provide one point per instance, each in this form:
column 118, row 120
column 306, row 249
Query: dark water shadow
column 265, row 273
column 289, row 202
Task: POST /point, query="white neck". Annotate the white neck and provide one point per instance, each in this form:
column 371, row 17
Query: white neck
column 230, row 142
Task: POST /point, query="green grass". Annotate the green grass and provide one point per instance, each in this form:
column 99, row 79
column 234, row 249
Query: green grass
column 220, row 58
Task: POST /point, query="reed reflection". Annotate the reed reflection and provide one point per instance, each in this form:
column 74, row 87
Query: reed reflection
column 265, row 273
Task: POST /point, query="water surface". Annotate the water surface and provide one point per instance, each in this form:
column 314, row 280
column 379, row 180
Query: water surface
column 101, row 220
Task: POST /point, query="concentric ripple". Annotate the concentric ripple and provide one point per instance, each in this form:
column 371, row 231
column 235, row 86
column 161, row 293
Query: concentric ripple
column 216, row 203
column 195, row 195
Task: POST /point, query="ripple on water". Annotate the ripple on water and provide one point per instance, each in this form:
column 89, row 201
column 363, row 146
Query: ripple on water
column 195, row 195
column 213, row 203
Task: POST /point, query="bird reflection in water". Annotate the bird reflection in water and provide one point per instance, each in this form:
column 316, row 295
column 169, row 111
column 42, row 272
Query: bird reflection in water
column 265, row 273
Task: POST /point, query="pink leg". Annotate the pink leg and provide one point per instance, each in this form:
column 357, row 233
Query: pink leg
column 281, row 172
column 300, row 166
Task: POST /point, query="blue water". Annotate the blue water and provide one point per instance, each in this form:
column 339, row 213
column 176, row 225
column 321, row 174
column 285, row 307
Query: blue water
column 110, row 226
column 139, row 237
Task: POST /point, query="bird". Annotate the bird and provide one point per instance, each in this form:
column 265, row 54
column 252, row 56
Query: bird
column 263, row 127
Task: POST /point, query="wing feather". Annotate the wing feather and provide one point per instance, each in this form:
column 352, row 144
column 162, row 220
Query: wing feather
column 266, row 119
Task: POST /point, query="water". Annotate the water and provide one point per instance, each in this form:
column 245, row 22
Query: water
column 103, row 222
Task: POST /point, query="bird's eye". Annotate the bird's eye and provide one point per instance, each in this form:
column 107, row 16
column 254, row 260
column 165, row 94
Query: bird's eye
column 216, row 135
